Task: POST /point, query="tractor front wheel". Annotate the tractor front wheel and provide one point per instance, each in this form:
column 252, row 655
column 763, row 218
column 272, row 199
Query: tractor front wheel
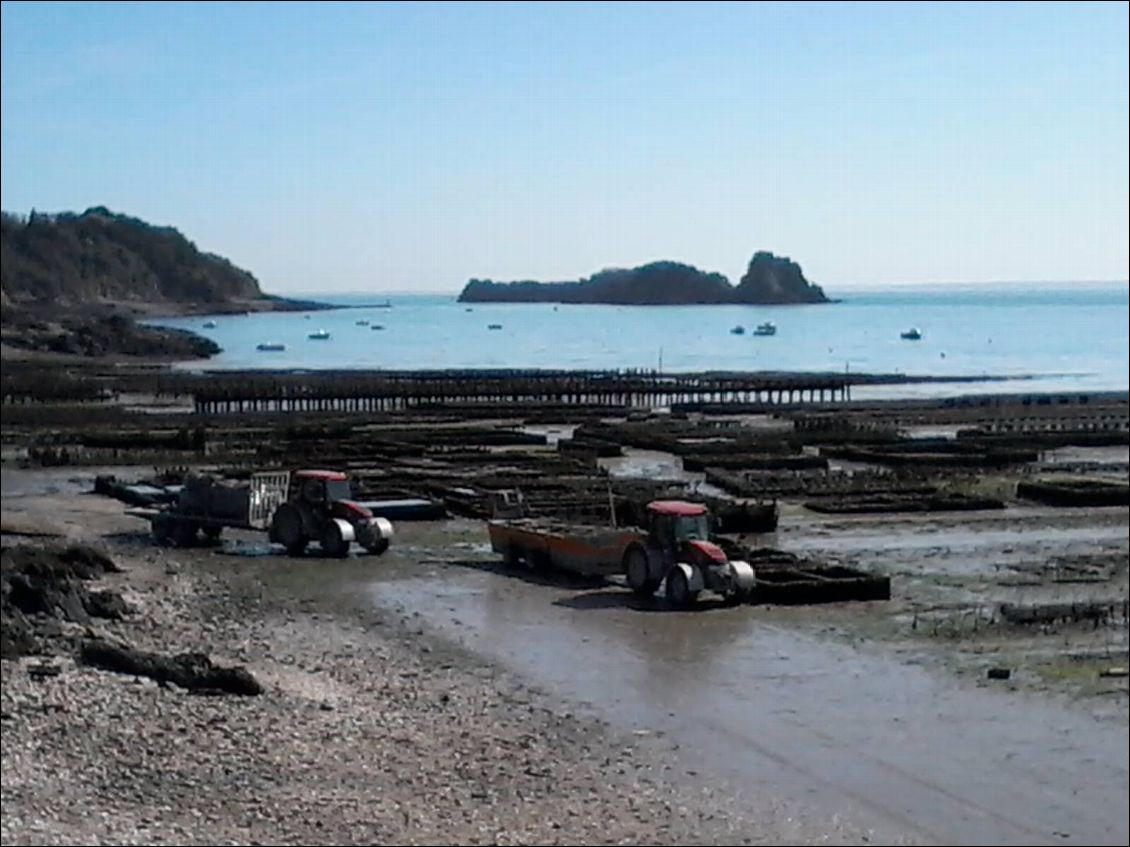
column 378, row 546
column 679, row 593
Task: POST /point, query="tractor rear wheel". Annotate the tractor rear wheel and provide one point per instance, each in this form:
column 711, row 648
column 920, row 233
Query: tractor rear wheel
column 638, row 573
column 286, row 529
column 333, row 544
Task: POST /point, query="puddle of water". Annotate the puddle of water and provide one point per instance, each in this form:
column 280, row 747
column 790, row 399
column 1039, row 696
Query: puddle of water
column 852, row 732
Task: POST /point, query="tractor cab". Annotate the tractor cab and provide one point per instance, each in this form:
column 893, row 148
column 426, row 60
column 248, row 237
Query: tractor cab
column 672, row 523
column 320, row 488
column 682, row 531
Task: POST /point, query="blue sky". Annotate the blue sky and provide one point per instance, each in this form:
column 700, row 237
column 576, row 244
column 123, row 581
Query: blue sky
column 373, row 147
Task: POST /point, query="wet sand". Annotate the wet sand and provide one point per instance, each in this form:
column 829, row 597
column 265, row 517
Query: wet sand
column 373, row 727
column 837, row 723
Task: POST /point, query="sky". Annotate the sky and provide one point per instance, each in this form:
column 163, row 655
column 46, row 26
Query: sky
column 410, row 147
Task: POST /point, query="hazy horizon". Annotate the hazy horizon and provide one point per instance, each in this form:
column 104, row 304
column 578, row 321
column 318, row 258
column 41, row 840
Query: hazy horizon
column 406, row 148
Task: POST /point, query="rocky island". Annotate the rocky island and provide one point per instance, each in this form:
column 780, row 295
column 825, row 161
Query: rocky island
column 769, row 280
column 73, row 284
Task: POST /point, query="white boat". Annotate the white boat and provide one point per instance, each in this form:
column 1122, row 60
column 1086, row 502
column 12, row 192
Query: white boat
column 320, row 335
column 767, row 328
column 271, row 345
column 911, row 334
column 209, row 324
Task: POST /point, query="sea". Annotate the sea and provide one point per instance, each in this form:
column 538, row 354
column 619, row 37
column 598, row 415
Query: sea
column 1047, row 338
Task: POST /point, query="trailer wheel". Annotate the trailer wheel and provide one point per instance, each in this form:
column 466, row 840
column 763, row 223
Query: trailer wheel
column 212, row 533
column 161, row 528
column 512, row 556
column 638, row 574
column 183, row 533
column 679, row 592
column 333, row 543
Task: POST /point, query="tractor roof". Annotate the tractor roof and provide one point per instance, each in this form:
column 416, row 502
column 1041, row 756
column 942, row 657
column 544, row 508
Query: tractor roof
column 323, row 475
column 679, row 508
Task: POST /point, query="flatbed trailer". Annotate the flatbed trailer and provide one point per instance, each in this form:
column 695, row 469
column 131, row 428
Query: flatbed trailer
column 576, row 548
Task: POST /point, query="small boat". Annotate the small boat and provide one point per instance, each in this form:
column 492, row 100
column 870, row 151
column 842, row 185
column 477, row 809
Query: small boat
column 320, row 335
column 494, row 326
column 209, row 324
column 271, row 345
column 911, row 334
column 362, row 322
column 767, row 328
column 738, row 330
column 377, row 326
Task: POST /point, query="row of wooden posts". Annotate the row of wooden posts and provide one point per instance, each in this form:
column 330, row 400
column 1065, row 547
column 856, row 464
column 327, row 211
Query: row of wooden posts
column 310, row 392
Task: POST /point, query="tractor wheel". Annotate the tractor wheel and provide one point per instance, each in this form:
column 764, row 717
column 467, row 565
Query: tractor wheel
column 286, row 529
column 378, row 546
column 212, row 533
column 638, row 574
column 333, row 544
column 513, row 556
column 679, row 592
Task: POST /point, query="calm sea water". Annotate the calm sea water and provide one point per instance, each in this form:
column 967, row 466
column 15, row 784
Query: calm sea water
column 1065, row 338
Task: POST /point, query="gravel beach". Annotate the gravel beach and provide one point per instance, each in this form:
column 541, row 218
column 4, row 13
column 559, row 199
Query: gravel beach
column 368, row 731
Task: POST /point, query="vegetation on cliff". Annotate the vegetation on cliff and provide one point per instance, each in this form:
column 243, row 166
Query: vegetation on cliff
column 100, row 256
column 71, row 283
column 769, row 280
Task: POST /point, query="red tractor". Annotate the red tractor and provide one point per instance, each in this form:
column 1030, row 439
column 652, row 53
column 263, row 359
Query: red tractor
column 320, row 507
